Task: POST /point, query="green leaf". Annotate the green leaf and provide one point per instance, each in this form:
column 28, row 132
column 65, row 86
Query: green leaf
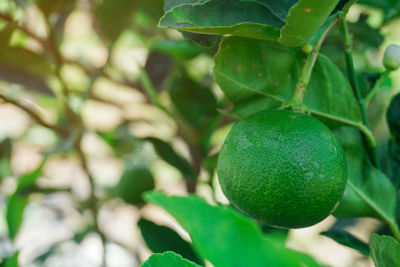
column 178, row 49
column 369, row 192
column 30, row 179
column 168, row 4
column 346, row 239
column 279, row 8
column 245, row 18
column 168, row 154
column 5, row 157
column 11, row 261
column 269, row 79
column 224, row 236
column 385, row 251
column 194, row 102
column 114, row 16
column 168, row 259
column 393, row 117
column 162, row 238
column 304, row 20
column 14, row 215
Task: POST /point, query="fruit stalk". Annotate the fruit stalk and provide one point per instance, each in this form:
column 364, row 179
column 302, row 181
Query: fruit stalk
column 305, row 76
column 376, row 86
column 348, row 45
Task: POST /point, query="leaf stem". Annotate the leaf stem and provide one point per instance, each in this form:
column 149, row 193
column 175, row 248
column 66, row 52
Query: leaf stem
column 376, row 86
column 368, row 141
column 305, row 75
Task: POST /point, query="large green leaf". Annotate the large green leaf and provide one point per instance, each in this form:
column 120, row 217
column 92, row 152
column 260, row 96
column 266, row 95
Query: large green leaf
column 304, row 20
column 168, row 259
column 168, row 4
column 369, row 192
column 162, row 238
column 225, row 237
column 114, row 16
column 242, row 17
column 265, row 76
column 385, row 251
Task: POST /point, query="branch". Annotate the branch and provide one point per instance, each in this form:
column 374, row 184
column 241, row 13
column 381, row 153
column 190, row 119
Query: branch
column 34, row 113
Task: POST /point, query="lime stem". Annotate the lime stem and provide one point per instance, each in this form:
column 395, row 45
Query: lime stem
column 368, row 141
column 305, row 76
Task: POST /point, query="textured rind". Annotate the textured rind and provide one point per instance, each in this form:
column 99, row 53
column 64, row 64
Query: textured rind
column 284, row 168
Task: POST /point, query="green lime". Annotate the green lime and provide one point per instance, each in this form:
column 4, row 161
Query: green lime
column 133, row 183
column 284, row 168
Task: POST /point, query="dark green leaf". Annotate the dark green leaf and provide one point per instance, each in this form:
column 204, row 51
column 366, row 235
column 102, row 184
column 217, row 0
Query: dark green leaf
column 225, row 237
column 178, row 49
column 5, row 156
column 245, row 18
column 304, row 20
column 385, row 251
column 194, row 102
column 168, row 259
column 269, row 79
column 369, row 192
column 14, row 215
column 162, row 238
column 210, row 163
column 346, row 239
column 393, row 118
column 114, row 16
column 159, row 67
column 168, row 4
column 168, row 154
column 280, row 8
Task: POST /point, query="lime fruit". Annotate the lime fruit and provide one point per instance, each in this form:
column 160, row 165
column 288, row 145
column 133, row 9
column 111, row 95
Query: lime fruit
column 284, row 168
column 133, row 183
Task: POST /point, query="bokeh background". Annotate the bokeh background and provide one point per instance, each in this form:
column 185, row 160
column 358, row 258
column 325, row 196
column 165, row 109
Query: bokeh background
column 91, row 88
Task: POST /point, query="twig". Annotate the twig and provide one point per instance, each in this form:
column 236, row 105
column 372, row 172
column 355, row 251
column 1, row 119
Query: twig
column 34, row 114
column 348, row 43
column 310, row 62
column 376, row 86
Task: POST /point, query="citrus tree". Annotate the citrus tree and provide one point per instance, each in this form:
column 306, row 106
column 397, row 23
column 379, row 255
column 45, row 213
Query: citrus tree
column 297, row 120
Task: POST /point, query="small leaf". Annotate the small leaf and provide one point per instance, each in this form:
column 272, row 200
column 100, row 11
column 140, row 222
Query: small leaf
column 14, row 215
column 385, row 251
column 114, row 16
column 245, row 18
column 162, row 238
column 304, row 20
column 29, row 179
column 346, row 239
column 269, row 79
column 225, row 237
column 168, row 154
column 369, row 192
column 168, row 259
